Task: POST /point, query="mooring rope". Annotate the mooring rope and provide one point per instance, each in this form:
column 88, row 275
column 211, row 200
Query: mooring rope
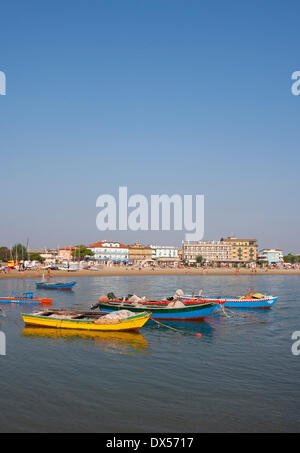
column 165, row 325
column 198, row 334
column 237, row 315
column 221, row 306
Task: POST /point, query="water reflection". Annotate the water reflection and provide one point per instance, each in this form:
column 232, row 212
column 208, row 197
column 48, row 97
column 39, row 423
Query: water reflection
column 183, row 327
column 122, row 342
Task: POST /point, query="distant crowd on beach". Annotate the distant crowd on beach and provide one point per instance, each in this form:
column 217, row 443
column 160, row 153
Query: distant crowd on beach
column 229, row 255
column 42, row 271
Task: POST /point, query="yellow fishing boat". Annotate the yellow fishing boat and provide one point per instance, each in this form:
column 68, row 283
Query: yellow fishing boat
column 86, row 320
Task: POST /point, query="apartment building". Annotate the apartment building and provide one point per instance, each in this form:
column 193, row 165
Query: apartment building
column 65, row 253
column 271, row 256
column 242, row 250
column 214, row 251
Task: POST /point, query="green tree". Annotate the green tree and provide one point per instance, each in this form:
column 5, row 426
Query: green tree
column 81, row 252
column 4, row 254
column 36, row 257
column 200, row 259
column 290, row 258
column 19, row 252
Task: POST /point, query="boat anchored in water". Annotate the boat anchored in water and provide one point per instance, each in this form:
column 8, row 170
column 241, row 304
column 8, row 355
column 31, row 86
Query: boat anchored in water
column 250, row 300
column 55, row 285
column 160, row 310
column 86, row 320
column 26, row 298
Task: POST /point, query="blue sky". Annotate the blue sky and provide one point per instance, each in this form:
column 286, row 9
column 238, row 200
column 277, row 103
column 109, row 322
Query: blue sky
column 162, row 96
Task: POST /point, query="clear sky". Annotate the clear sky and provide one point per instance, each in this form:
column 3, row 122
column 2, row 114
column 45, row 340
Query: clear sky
column 163, row 96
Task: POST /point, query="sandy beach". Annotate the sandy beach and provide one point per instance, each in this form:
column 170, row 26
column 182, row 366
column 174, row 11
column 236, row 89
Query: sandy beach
column 134, row 272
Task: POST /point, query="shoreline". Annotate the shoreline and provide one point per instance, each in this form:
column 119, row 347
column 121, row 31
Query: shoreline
column 119, row 272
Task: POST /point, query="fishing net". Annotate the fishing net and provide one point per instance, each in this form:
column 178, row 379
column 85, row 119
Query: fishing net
column 176, row 304
column 114, row 317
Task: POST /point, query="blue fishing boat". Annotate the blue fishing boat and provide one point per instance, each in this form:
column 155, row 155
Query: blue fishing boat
column 55, row 285
column 26, row 298
column 251, row 300
column 265, row 302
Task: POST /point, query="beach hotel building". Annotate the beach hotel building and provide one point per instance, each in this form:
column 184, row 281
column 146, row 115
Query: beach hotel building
column 164, row 254
column 139, row 253
column 271, row 256
column 105, row 251
column 229, row 250
column 214, row 251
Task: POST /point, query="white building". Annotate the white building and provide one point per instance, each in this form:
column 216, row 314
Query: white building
column 164, row 253
column 271, row 256
column 109, row 251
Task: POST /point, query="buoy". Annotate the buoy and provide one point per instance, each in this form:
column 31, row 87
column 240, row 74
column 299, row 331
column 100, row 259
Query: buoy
column 198, row 334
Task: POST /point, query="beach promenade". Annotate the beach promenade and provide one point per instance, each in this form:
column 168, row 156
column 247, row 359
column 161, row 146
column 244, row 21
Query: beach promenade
column 118, row 271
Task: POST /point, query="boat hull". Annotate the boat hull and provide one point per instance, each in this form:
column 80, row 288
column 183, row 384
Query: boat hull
column 190, row 313
column 264, row 303
column 260, row 303
column 132, row 324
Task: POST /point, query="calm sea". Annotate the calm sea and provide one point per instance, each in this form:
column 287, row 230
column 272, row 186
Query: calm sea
column 239, row 376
